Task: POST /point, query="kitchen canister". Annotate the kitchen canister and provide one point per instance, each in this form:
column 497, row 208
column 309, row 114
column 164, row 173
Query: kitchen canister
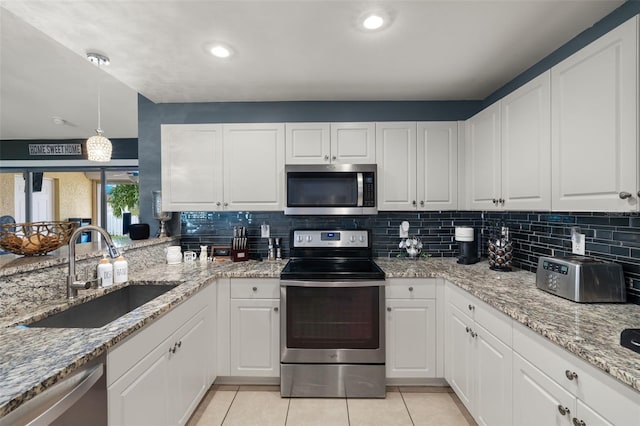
column 174, row 255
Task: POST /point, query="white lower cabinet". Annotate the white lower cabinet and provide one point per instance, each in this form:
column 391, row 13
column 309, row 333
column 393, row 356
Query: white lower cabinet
column 254, row 328
column 411, row 328
column 478, row 357
column 159, row 375
column 551, row 386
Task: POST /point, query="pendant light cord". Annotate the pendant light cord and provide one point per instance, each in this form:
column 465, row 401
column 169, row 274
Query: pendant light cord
column 99, row 129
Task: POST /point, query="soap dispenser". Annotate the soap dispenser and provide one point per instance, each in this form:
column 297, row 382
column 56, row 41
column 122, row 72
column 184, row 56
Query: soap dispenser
column 105, row 271
column 120, row 270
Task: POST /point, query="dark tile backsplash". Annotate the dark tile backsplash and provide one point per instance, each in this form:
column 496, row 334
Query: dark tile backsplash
column 609, row 236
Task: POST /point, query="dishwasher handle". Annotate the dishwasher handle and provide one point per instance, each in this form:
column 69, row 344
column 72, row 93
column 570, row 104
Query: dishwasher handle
column 44, row 408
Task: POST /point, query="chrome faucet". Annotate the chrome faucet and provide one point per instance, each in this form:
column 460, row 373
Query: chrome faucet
column 73, row 283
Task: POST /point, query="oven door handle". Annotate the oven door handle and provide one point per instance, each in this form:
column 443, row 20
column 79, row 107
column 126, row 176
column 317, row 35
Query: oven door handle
column 346, row 283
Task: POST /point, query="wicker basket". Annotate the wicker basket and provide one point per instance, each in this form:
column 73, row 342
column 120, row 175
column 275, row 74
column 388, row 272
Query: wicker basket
column 36, row 238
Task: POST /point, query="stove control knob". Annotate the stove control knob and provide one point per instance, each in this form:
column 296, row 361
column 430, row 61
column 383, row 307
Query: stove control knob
column 352, row 238
column 309, row 238
column 299, row 238
column 362, row 238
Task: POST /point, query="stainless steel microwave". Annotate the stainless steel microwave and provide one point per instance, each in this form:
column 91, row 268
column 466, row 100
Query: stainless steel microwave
column 331, row 189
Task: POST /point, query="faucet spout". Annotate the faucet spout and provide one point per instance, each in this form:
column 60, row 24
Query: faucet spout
column 73, row 284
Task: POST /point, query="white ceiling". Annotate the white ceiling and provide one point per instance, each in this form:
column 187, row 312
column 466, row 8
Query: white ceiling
column 285, row 50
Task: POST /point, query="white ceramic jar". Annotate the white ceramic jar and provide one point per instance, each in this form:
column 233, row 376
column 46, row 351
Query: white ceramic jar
column 174, row 255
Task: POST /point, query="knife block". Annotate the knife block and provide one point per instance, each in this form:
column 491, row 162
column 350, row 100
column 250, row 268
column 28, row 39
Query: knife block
column 239, row 255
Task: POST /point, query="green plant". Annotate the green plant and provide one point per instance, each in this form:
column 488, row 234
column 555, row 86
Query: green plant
column 124, row 197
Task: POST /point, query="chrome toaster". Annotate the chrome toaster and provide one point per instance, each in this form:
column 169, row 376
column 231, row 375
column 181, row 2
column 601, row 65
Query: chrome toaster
column 581, row 279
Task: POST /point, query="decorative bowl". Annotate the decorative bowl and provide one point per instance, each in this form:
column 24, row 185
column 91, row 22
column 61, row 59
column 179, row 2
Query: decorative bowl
column 35, row 238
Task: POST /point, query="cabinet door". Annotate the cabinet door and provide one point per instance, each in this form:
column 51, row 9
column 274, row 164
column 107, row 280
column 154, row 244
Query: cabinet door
column 591, row 418
column 459, row 354
column 526, row 146
column 493, row 379
column 142, row 395
column 189, row 366
column 484, row 164
column 437, row 175
column 538, row 400
column 254, row 166
column 594, row 124
column 396, row 158
column 411, row 338
column 191, row 167
column 307, row 143
column 353, row 143
column 255, row 340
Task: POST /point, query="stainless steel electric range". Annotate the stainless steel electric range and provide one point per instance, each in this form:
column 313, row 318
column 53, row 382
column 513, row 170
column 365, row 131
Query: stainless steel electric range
column 332, row 333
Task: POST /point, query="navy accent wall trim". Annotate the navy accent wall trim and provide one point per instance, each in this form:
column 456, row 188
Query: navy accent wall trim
column 625, row 12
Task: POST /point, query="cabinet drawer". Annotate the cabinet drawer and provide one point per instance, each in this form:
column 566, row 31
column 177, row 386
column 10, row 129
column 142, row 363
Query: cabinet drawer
column 255, row 288
column 410, row 288
column 602, row 393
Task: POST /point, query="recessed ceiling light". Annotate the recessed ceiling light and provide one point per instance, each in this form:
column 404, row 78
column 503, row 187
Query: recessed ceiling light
column 373, row 22
column 220, row 50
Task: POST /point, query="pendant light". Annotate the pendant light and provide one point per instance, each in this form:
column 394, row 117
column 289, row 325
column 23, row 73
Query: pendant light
column 98, row 147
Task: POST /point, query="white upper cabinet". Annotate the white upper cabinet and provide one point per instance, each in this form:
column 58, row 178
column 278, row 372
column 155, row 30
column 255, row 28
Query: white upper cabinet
column 526, row 146
column 222, row 167
column 417, row 165
column 437, row 156
column 308, row 143
column 325, row 143
column 483, row 159
column 508, row 149
column 254, row 166
column 594, row 125
column 191, row 166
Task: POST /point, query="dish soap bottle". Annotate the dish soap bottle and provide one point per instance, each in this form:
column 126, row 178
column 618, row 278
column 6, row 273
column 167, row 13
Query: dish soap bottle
column 203, row 254
column 120, row 270
column 105, row 271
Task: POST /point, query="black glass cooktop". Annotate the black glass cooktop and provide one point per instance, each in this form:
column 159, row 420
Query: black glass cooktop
column 332, row 268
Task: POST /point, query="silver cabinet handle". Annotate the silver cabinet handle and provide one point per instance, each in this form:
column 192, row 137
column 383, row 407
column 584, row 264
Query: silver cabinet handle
column 226, row 204
column 421, row 203
column 468, row 329
column 494, row 201
column 326, row 158
column 474, row 334
column 218, row 203
column 389, row 309
column 334, row 158
column 563, row 410
column 577, row 422
column 501, row 201
column 570, row 374
column 255, row 289
column 413, row 202
column 410, row 288
column 624, row 195
column 275, row 309
column 471, row 307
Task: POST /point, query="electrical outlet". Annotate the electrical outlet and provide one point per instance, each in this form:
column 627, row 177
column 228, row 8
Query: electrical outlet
column 577, row 243
column 264, row 231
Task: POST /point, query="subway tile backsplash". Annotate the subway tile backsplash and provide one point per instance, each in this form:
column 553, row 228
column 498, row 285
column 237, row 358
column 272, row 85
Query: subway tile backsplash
column 609, row 236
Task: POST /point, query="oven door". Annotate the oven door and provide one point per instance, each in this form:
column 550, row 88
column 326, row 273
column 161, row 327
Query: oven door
column 339, row 322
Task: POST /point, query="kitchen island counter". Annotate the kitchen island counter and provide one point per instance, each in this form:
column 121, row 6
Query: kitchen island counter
column 33, row 359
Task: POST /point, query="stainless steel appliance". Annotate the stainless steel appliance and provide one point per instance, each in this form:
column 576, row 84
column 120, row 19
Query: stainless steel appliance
column 332, row 323
column 80, row 399
column 581, row 279
column 331, row 189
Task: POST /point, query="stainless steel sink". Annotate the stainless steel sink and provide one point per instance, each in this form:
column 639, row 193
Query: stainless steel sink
column 104, row 309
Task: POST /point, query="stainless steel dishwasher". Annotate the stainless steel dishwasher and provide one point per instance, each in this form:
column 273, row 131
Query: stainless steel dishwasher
column 80, row 399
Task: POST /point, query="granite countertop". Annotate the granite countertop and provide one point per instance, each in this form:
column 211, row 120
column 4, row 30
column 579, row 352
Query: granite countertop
column 591, row 332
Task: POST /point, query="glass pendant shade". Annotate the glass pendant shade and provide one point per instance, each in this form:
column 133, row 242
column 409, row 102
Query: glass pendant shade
column 98, row 148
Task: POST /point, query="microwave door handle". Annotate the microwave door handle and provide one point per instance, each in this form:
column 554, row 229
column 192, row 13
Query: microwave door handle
column 360, row 190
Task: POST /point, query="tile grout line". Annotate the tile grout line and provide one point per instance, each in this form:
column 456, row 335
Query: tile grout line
column 406, row 407
column 230, row 405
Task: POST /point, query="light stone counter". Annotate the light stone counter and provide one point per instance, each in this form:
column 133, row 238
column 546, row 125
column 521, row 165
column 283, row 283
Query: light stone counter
column 32, row 359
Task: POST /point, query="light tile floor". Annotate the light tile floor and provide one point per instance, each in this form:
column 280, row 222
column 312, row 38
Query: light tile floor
column 262, row 405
